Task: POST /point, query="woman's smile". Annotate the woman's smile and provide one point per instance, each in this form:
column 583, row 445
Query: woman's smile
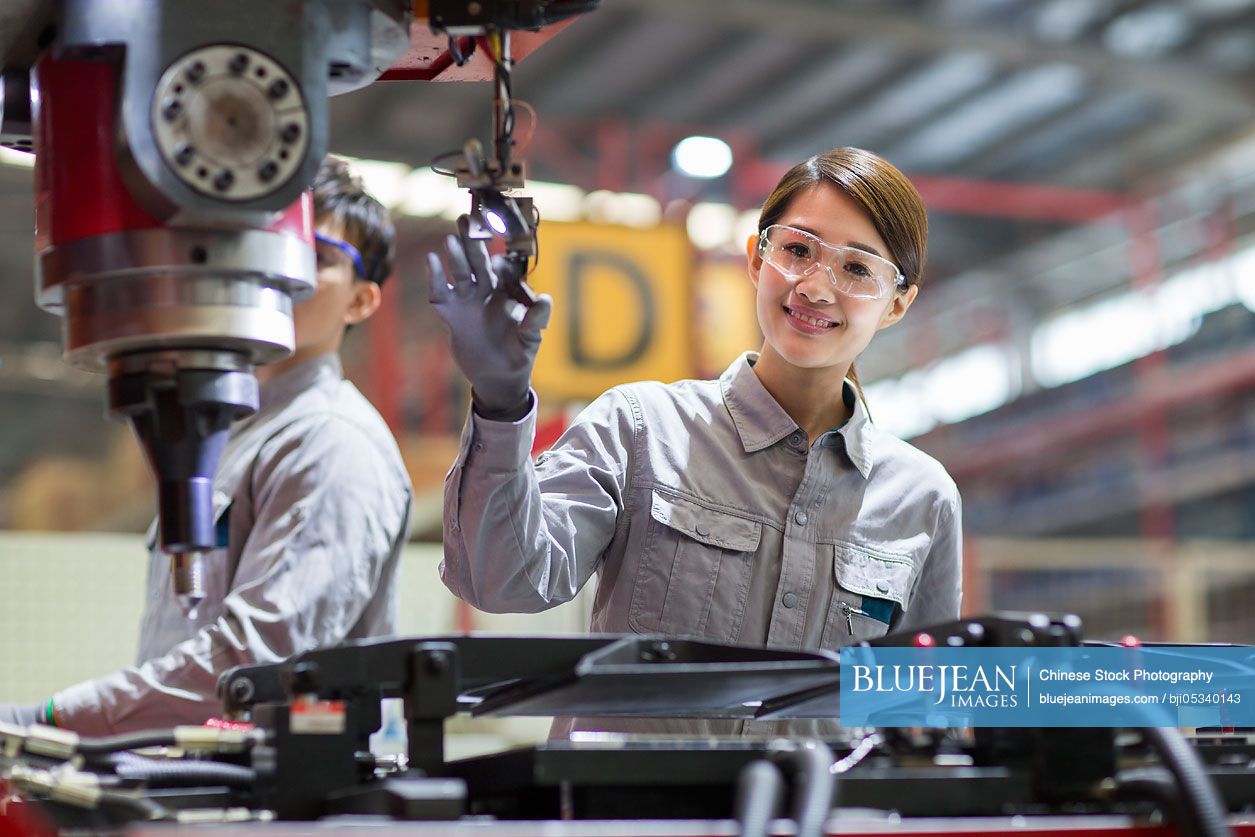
column 808, row 320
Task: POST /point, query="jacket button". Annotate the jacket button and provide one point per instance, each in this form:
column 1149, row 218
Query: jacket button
column 703, row 530
column 789, row 599
column 882, row 586
column 800, row 518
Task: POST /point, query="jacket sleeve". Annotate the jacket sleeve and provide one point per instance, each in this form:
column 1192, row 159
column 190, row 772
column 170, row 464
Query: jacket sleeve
column 939, row 588
column 329, row 511
column 521, row 538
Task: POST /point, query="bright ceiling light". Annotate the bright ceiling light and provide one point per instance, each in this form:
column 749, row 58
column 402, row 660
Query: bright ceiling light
column 384, row 180
column 627, row 208
column 429, row 194
column 706, row 157
column 710, row 225
column 556, row 201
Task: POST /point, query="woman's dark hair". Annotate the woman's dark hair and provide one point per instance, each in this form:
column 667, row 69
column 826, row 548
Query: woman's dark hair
column 885, row 194
column 340, row 198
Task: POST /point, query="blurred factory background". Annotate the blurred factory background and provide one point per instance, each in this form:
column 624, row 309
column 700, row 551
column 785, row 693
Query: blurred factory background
column 1081, row 358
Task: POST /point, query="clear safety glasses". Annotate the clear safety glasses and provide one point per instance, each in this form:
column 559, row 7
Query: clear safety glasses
column 853, row 272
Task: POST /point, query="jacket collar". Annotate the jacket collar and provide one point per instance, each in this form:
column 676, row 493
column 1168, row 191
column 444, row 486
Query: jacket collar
column 282, row 389
column 761, row 422
column 857, row 430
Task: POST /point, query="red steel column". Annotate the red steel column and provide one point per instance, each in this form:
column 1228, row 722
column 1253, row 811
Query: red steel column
column 387, row 380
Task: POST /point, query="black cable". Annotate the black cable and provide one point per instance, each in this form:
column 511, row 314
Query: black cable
column 1157, row 785
column 455, row 51
column 536, row 241
column 445, row 155
column 129, row 741
column 503, row 139
column 120, row 805
column 181, row 773
column 759, row 794
column 808, row 764
column 1200, row 800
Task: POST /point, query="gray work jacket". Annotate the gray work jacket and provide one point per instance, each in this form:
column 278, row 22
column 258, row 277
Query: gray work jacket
column 313, row 503
column 705, row 513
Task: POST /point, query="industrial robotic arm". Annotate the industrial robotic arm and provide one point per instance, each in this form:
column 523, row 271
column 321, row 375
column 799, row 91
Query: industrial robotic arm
column 173, row 144
column 174, row 141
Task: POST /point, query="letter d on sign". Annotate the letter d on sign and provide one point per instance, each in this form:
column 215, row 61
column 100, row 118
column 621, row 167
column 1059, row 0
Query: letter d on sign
column 580, row 321
column 623, row 308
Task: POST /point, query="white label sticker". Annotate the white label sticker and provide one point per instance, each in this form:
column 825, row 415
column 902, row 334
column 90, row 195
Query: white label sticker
column 317, row 717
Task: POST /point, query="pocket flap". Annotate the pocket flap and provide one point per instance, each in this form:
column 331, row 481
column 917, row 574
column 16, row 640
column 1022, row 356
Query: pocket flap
column 869, row 574
column 708, row 526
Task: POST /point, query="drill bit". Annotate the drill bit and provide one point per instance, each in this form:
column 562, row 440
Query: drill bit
column 187, row 572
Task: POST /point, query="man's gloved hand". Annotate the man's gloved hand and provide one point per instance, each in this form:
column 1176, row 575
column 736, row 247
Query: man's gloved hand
column 494, row 348
column 22, row 716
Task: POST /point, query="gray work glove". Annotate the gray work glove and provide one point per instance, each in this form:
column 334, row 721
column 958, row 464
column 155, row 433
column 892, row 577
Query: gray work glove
column 22, row 716
column 492, row 344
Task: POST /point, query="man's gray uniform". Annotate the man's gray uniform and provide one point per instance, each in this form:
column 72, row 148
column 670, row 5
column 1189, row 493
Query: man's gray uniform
column 313, row 503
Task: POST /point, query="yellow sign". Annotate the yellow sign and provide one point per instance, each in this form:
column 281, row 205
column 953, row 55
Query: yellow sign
column 622, row 307
column 725, row 319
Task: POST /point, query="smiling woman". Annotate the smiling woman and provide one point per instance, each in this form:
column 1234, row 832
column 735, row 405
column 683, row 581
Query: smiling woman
column 762, row 508
column 841, row 247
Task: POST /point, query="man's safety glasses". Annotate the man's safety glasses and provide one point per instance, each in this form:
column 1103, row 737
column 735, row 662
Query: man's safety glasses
column 853, row 272
column 324, row 256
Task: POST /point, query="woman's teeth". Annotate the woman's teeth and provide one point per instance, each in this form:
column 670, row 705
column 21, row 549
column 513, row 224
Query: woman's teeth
column 814, row 321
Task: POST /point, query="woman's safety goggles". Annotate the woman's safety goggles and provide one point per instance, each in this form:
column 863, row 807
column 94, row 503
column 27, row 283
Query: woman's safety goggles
column 853, row 272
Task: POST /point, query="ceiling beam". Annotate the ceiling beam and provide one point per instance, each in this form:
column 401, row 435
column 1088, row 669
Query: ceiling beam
column 1037, row 149
column 994, row 198
column 1165, row 78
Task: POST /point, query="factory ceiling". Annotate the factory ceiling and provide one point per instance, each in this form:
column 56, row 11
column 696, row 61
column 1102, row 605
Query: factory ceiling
column 1020, row 118
column 1104, row 97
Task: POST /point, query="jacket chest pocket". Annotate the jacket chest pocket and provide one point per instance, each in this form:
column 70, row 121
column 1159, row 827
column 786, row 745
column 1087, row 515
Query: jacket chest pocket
column 694, row 573
column 870, row 591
